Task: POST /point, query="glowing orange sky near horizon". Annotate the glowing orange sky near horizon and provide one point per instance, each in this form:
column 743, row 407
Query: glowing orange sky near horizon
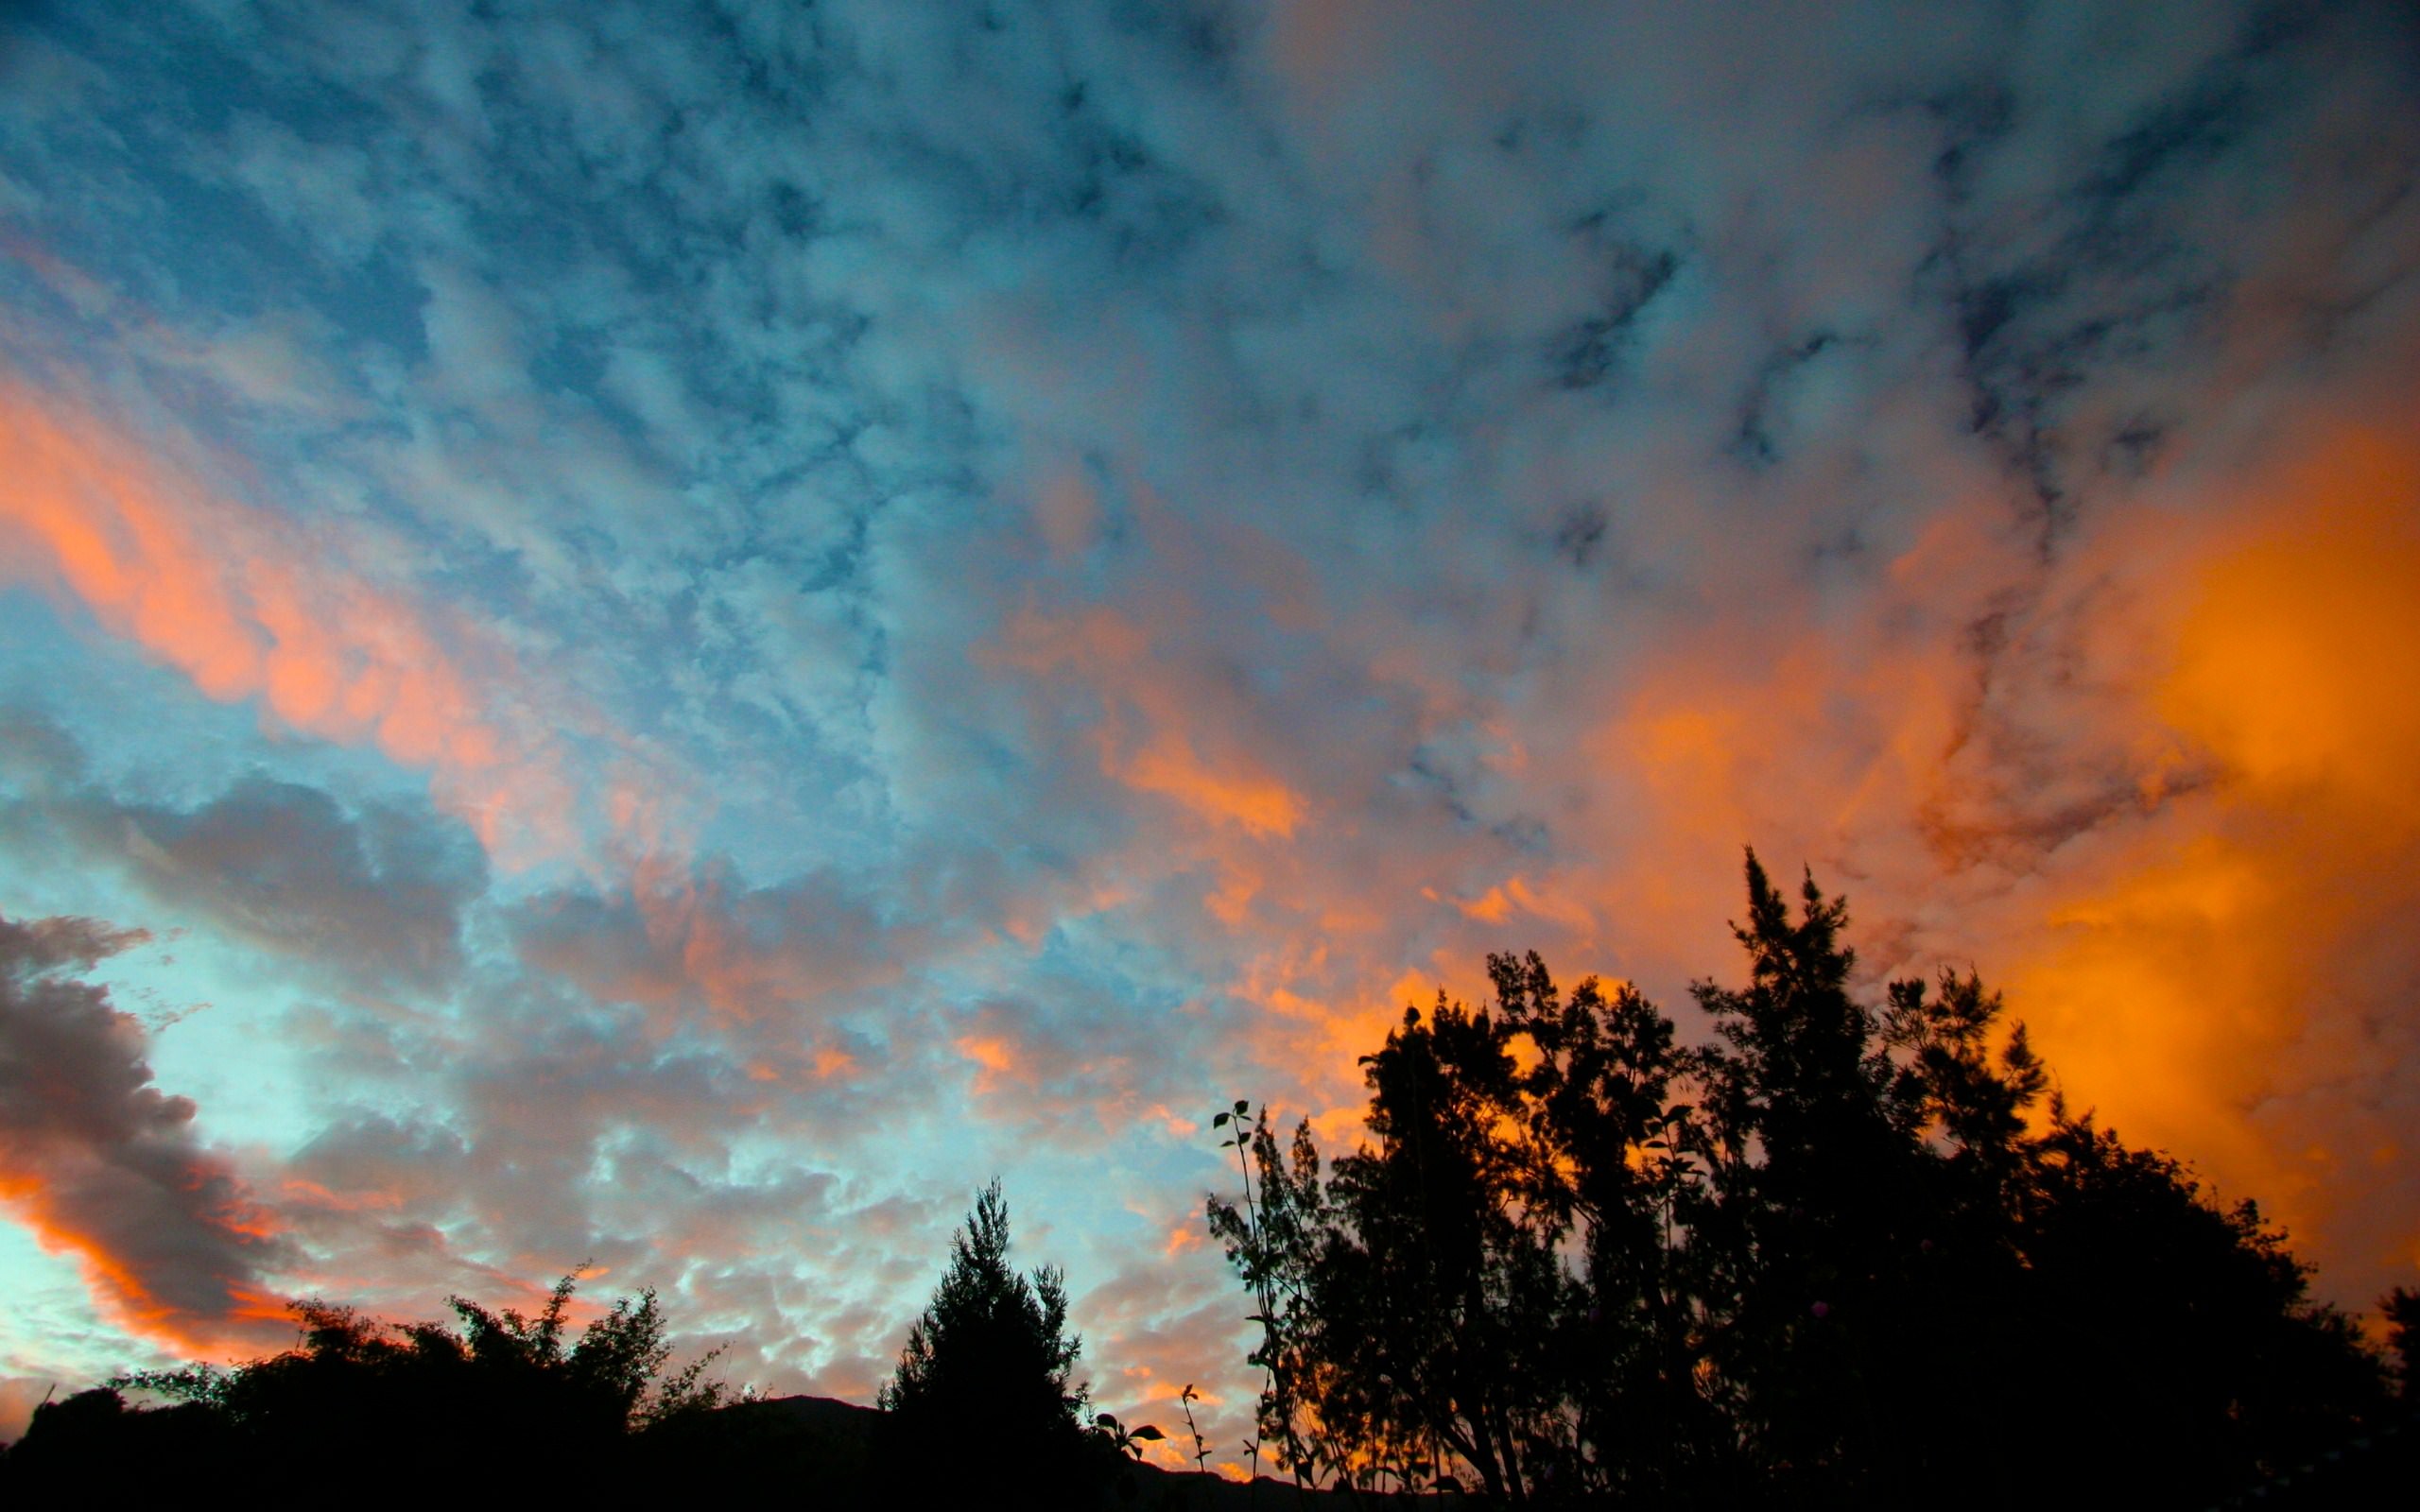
column 2186, row 966
column 2194, row 987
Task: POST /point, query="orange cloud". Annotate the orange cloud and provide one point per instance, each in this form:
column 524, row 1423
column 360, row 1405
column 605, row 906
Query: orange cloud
column 2170, row 810
column 2158, row 786
column 1497, row 905
column 1183, row 1237
column 1313, row 1034
column 239, row 1320
column 2297, row 661
column 230, row 598
column 300, row 1191
column 2234, row 979
column 1169, row 766
column 995, row 1061
column 1155, row 735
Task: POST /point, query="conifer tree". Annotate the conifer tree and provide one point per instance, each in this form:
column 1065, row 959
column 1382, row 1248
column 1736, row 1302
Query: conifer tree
column 988, row 1366
column 1812, row 1219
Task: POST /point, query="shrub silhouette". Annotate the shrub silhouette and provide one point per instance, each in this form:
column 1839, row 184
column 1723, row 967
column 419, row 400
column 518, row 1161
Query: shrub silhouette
column 510, row 1398
column 1839, row 1253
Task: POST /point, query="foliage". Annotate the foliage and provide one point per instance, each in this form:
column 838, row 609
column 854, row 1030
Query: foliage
column 1200, row 1445
column 512, row 1396
column 989, row 1367
column 1269, row 1240
column 2402, row 1309
column 1120, row 1440
column 604, row 1384
column 1833, row 1253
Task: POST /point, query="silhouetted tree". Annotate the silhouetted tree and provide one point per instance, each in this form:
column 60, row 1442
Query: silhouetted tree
column 1605, row 1151
column 1834, row 1255
column 2187, row 1325
column 1315, row 1416
column 1806, row 1192
column 1445, row 1276
column 92, row 1447
column 987, row 1372
column 1418, row 1318
column 2402, row 1309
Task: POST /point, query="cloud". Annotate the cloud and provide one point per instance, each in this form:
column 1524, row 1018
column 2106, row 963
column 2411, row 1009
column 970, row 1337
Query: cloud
column 2226, row 975
column 1150, row 1332
column 104, row 1166
column 211, row 589
column 373, row 897
column 1153, row 728
column 699, row 945
column 1087, row 558
column 1073, row 1057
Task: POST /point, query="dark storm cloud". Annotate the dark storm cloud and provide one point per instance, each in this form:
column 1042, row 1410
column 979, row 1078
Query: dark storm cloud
column 105, row 1166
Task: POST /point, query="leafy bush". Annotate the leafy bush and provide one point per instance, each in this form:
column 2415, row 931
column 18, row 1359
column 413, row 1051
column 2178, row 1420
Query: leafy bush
column 510, row 1397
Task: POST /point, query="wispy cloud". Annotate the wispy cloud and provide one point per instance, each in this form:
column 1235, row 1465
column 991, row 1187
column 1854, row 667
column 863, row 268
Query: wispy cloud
column 220, row 592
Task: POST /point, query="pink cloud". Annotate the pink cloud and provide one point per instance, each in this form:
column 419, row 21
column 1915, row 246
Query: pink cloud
column 241, row 604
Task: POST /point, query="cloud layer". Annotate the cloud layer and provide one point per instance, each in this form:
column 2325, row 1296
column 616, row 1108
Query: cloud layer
column 717, row 626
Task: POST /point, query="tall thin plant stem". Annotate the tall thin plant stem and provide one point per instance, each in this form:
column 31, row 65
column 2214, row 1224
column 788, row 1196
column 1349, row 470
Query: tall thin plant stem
column 1245, row 1125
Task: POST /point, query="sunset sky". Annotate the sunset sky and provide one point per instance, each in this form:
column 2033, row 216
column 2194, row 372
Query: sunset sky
column 670, row 634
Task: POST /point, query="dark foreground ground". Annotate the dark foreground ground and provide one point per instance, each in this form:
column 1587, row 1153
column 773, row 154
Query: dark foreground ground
column 801, row 1451
column 842, row 1436
column 96, row 1448
column 2378, row 1470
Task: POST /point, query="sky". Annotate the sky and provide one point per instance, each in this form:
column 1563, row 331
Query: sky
column 665, row 635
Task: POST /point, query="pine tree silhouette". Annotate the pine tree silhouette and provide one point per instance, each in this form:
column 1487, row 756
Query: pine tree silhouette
column 988, row 1368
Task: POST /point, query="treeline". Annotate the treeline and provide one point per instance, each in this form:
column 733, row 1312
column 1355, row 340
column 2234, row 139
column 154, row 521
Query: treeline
column 1833, row 1253
column 983, row 1411
column 1840, row 1254
column 492, row 1398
